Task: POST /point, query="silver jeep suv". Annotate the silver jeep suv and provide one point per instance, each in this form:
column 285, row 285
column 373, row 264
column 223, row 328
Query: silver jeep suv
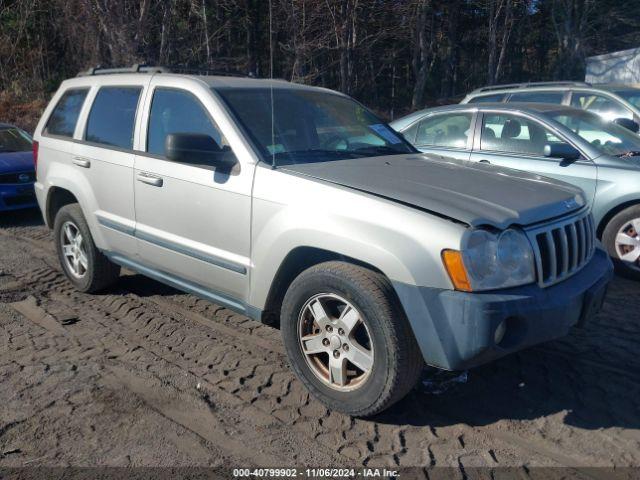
column 286, row 201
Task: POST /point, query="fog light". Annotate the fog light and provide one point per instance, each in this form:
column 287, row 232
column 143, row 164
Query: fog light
column 500, row 331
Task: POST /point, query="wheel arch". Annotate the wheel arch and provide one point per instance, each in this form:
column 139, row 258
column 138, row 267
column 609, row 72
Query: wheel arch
column 294, row 263
column 57, row 197
column 612, row 212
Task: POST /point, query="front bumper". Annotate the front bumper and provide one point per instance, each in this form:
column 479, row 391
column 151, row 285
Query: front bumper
column 457, row 330
column 17, row 196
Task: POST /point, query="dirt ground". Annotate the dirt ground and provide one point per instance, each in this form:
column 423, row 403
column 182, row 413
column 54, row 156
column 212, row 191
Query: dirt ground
column 144, row 375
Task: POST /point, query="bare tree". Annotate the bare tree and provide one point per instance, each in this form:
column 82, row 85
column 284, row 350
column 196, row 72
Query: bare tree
column 424, row 55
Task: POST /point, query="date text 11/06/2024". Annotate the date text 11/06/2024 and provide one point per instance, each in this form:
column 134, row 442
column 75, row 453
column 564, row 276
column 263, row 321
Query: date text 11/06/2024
column 315, row 473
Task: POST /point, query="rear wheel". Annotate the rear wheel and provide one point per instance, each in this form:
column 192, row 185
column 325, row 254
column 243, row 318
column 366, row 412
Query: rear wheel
column 621, row 238
column 348, row 340
column 83, row 264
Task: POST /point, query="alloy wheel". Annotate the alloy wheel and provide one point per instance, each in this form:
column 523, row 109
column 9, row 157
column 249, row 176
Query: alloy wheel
column 73, row 250
column 335, row 341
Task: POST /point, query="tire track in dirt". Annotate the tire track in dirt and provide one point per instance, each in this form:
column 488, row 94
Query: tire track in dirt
column 372, row 443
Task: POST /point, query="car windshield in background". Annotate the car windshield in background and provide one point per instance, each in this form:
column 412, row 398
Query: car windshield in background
column 310, row 126
column 14, row 140
column 631, row 95
column 606, row 136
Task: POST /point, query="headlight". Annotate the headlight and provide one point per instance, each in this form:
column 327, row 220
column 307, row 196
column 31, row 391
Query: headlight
column 491, row 260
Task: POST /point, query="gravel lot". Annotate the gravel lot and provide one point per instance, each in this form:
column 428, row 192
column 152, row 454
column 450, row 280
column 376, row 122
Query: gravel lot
column 143, row 375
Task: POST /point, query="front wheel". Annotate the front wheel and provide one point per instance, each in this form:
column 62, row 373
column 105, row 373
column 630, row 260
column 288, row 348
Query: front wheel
column 621, row 238
column 348, row 340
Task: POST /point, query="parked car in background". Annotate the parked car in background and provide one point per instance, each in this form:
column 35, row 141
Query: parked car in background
column 612, row 102
column 17, row 172
column 315, row 212
column 556, row 141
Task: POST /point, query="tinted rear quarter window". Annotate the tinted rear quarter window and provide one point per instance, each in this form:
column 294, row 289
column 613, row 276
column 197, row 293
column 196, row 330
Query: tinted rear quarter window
column 498, row 97
column 112, row 116
column 538, row 97
column 64, row 117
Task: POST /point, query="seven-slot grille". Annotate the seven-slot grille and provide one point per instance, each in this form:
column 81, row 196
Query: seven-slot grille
column 562, row 248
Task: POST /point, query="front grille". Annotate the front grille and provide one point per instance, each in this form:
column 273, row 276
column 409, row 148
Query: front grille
column 20, row 177
column 563, row 247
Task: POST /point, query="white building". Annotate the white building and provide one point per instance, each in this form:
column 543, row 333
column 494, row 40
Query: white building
column 616, row 67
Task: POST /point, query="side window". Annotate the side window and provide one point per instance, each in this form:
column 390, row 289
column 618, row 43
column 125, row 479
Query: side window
column 177, row 111
column 538, row 97
column 64, row 117
column 603, row 106
column 410, row 133
column 498, row 97
column 112, row 116
column 512, row 134
column 450, row 130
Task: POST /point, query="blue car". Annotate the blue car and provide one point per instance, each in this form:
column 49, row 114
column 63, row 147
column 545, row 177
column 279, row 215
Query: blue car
column 17, row 173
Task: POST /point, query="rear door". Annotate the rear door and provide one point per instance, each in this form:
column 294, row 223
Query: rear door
column 105, row 155
column 444, row 134
column 517, row 141
column 193, row 219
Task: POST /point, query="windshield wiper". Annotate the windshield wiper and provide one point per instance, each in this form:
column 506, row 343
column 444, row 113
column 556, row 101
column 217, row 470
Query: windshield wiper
column 378, row 149
column 630, row 153
column 318, row 151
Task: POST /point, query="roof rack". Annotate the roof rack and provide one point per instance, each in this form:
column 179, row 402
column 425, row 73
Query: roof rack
column 509, row 86
column 209, row 71
column 136, row 68
column 142, row 68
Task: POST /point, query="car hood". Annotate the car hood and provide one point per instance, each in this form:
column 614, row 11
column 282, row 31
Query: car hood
column 624, row 163
column 11, row 162
column 473, row 193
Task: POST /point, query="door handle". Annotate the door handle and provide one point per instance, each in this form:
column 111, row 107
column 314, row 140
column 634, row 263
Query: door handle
column 149, row 179
column 81, row 162
column 484, row 161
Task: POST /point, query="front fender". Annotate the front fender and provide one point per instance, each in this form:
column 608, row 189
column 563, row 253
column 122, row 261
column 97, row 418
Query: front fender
column 405, row 244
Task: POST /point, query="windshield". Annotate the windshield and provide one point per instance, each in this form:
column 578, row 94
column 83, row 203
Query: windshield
column 605, row 136
column 310, row 126
column 14, row 140
column 631, row 95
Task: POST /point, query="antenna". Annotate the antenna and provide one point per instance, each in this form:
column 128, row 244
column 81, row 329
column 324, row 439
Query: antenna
column 273, row 132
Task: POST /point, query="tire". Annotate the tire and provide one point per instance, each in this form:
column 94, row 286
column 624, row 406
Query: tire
column 99, row 273
column 623, row 220
column 391, row 347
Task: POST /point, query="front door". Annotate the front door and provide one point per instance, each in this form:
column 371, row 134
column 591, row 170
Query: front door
column 515, row 141
column 192, row 220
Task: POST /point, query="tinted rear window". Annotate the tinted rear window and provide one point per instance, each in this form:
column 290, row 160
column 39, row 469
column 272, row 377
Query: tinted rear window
column 538, row 97
column 65, row 116
column 488, row 98
column 112, row 116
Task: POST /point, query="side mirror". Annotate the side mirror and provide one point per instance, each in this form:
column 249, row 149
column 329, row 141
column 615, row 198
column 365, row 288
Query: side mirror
column 197, row 148
column 628, row 124
column 563, row 151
